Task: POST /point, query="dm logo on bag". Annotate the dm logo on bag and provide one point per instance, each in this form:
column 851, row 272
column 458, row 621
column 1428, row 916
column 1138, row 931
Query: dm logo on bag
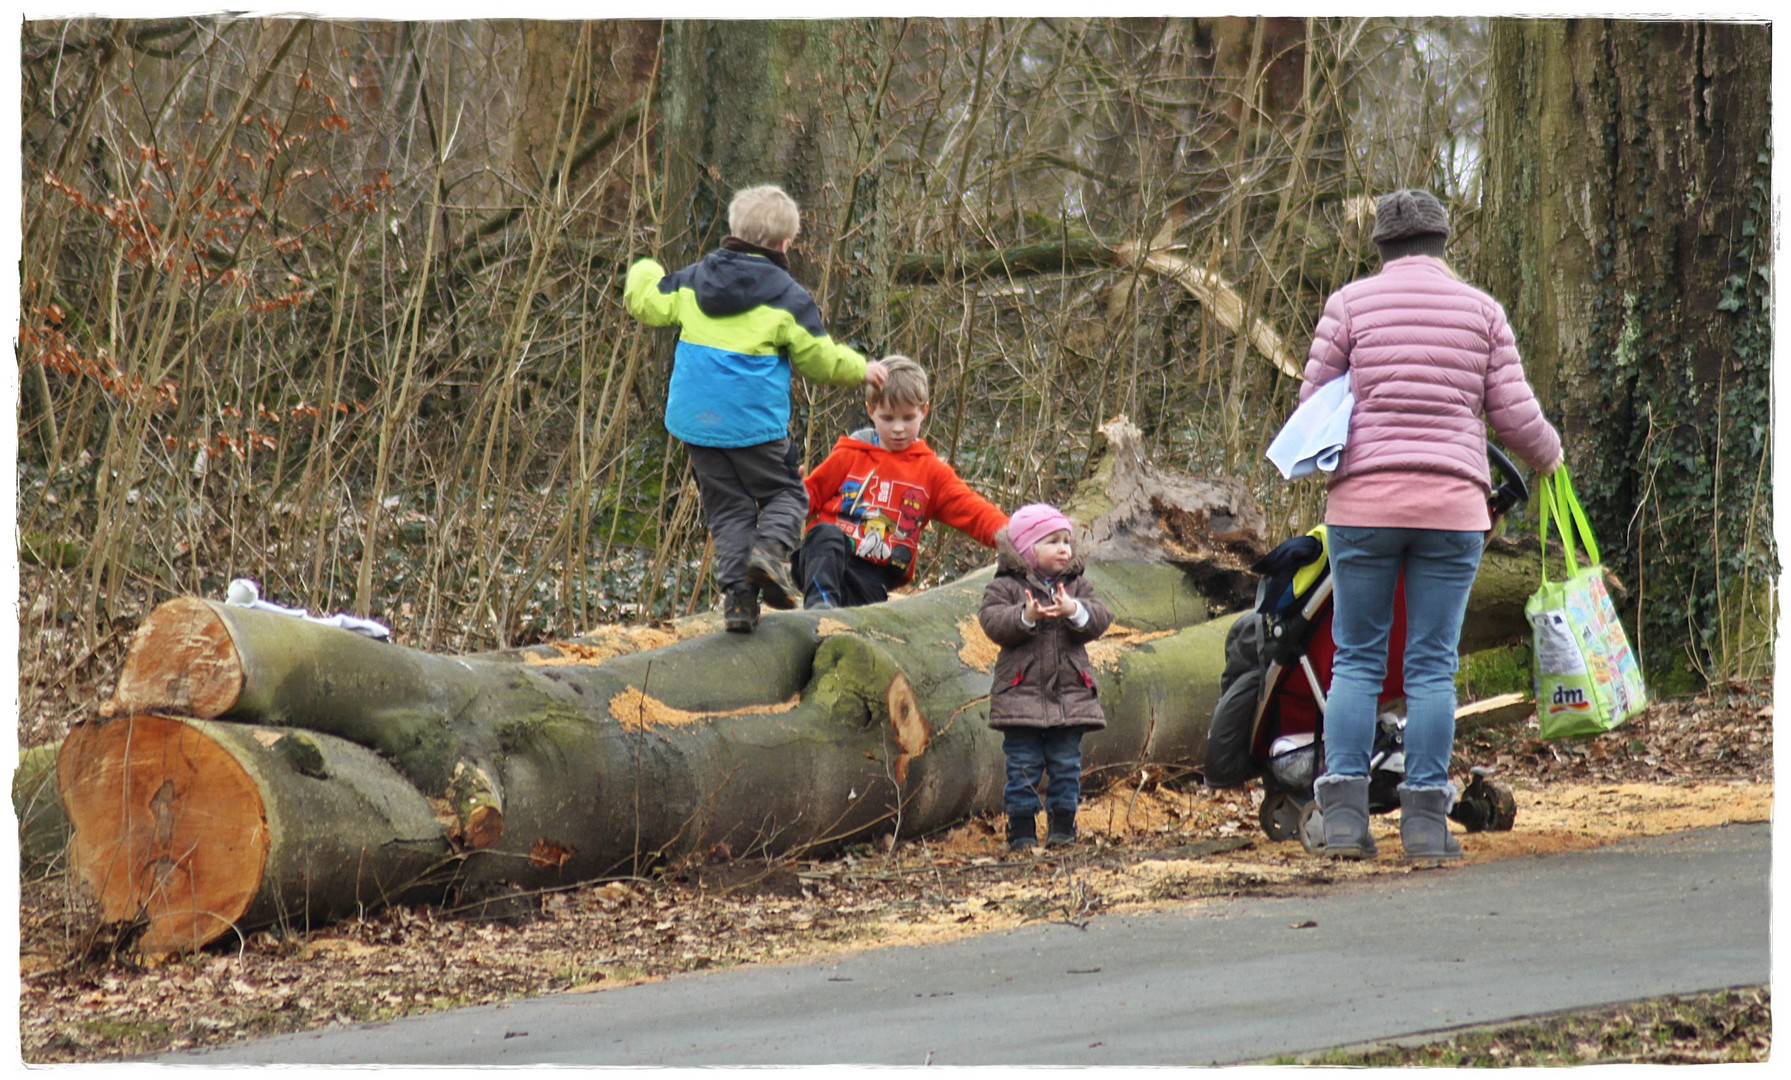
column 1568, row 699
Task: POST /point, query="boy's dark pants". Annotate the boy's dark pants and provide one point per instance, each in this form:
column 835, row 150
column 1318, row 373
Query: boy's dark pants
column 829, row 572
column 1033, row 753
column 751, row 495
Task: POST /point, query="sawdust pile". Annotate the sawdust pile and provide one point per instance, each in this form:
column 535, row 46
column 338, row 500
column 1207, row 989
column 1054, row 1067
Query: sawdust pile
column 977, row 651
column 615, row 641
column 828, row 626
column 1105, row 652
column 637, row 710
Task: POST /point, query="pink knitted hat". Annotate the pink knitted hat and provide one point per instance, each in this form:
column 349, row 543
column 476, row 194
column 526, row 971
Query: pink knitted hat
column 1032, row 523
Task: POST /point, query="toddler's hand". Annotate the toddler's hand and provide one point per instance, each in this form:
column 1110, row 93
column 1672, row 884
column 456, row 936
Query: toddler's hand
column 1059, row 605
column 875, row 373
column 1560, row 460
column 1034, row 611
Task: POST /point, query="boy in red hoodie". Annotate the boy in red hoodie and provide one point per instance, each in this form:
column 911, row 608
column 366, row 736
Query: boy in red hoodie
column 870, row 499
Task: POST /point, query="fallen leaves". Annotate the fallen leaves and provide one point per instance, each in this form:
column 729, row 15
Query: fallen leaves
column 1150, row 843
column 1726, row 736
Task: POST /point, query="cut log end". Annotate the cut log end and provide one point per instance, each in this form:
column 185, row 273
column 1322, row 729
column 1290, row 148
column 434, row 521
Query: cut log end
column 484, row 828
column 182, row 661
column 478, row 804
column 169, row 829
column 911, row 729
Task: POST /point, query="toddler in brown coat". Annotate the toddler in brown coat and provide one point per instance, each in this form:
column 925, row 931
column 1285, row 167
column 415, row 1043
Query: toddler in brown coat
column 1042, row 612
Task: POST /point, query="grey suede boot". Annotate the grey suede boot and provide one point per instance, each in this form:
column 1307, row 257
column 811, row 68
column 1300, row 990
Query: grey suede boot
column 1424, row 825
column 1344, row 802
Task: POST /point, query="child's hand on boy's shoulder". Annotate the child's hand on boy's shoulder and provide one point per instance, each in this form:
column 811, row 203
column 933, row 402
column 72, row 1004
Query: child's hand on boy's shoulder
column 875, row 373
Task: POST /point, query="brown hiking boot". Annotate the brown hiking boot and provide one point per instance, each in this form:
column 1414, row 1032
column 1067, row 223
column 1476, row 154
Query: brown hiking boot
column 740, row 609
column 769, row 568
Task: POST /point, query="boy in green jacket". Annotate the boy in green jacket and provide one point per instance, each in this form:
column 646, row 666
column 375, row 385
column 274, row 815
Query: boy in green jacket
column 744, row 324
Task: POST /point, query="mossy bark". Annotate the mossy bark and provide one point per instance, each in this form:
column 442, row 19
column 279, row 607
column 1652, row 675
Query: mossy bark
column 743, row 106
column 1627, row 228
column 37, row 805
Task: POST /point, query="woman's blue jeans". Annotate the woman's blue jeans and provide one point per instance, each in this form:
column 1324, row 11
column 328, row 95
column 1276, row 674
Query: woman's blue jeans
column 1050, row 754
column 1439, row 567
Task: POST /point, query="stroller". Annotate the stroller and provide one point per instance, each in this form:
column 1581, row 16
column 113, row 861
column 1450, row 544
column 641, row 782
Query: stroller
column 1269, row 721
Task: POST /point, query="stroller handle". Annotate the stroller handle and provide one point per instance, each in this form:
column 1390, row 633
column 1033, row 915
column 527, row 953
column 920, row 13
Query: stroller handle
column 1512, row 492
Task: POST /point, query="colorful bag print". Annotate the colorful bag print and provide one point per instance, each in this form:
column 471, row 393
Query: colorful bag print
column 1587, row 678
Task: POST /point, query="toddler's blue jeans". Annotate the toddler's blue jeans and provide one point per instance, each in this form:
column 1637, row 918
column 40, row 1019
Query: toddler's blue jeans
column 1439, row 567
column 1052, row 754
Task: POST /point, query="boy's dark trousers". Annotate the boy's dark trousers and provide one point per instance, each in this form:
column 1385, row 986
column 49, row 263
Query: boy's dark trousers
column 829, row 572
column 1035, row 753
column 751, row 495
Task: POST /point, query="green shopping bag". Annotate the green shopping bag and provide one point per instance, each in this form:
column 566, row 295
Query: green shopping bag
column 1587, row 679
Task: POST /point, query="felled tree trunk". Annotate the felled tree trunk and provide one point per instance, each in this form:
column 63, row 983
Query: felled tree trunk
column 547, row 765
column 189, row 828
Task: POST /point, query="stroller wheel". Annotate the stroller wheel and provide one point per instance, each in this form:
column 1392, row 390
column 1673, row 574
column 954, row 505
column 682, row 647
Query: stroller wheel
column 1280, row 815
column 1503, row 805
column 1486, row 805
column 1312, row 829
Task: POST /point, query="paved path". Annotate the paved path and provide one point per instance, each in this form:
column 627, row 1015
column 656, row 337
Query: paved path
column 1220, row 983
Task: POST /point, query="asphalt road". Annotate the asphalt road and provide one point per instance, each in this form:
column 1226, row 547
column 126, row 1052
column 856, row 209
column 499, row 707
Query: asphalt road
column 1215, row 983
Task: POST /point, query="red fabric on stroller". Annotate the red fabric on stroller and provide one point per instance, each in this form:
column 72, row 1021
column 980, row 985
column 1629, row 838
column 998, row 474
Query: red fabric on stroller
column 1292, row 695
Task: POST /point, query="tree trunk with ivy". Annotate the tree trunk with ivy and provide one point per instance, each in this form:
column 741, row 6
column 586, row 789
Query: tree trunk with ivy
column 1627, row 229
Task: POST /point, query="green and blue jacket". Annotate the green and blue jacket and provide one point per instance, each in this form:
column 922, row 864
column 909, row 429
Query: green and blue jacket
column 743, row 324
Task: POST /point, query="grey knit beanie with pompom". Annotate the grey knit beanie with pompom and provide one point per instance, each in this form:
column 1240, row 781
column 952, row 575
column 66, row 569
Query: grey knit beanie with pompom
column 1410, row 221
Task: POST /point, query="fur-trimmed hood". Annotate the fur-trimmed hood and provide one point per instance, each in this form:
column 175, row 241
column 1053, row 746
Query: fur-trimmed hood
column 1008, row 560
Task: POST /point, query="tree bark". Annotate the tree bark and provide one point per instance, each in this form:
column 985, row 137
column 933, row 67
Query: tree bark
column 37, row 804
column 742, row 108
column 1627, row 226
column 819, row 728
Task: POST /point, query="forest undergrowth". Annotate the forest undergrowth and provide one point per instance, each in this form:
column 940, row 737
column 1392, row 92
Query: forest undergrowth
column 336, row 305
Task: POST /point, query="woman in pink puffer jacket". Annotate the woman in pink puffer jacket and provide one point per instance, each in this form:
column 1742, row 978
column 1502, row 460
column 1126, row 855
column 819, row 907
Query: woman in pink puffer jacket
column 1429, row 356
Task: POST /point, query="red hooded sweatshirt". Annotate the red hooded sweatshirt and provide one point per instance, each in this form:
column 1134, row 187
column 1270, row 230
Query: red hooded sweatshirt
column 883, row 500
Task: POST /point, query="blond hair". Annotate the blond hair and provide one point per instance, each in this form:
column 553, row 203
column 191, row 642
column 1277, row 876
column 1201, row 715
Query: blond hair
column 906, row 384
column 764, row 216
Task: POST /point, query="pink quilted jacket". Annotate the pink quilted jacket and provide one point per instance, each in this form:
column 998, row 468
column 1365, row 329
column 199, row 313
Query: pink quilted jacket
column 1429, row 356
